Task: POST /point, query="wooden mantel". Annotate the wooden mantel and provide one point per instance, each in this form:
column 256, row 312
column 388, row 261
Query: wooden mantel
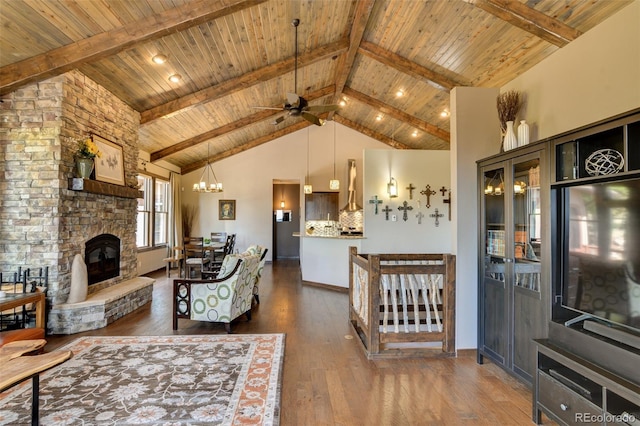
column 97, row 187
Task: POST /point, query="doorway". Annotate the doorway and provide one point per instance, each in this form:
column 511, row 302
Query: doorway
column 286, row 219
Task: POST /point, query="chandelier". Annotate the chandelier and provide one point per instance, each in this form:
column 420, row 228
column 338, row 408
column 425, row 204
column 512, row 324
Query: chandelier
column 207, row 183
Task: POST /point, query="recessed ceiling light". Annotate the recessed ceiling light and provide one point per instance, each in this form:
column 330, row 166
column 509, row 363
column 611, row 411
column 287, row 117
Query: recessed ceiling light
column 343, row 103
column 379, row 117
column 399, row 93
column 175, row 78
column 159, row 59
column 414, row 134
column 444, row 114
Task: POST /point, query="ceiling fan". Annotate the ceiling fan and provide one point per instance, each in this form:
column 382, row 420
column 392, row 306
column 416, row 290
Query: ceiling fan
column 296, row 105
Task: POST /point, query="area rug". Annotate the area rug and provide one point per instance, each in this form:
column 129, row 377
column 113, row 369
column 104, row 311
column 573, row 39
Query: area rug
column 158, row 380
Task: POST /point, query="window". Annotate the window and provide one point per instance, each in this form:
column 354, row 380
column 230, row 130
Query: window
column 153, row 212
column 161, row 212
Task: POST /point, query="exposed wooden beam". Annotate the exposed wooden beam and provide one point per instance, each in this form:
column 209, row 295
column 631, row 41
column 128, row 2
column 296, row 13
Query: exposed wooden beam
column 398, row 115
column 405, row 66
column 236, row 125
column 244, row 81
column 368, row 132
column 361, row 16
column 530, row 20
column 112, row 42
column 302, row 124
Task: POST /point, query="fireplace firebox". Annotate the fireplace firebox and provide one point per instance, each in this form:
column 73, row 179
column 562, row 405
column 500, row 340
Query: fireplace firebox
column 102, row 257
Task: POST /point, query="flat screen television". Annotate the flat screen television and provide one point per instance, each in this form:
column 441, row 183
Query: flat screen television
column 600, row 250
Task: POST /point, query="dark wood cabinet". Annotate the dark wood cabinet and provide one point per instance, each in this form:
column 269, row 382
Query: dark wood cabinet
column 571, row 389
column 321, row 206
column 514, row 268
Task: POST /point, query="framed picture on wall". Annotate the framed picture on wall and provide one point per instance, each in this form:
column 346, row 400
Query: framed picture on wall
column 109, row 166
column 227, row 210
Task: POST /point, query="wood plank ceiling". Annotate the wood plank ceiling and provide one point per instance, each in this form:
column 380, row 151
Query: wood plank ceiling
column 234, row 55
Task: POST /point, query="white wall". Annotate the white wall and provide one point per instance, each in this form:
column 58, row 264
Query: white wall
column 420, row 168
column 475, row 134
column 248, row 178
column 595, row 77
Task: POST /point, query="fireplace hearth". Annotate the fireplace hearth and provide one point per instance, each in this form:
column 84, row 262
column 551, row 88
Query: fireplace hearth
column 102, row 257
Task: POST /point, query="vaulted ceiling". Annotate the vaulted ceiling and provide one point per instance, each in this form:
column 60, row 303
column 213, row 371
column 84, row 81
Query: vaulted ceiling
column 234, row 55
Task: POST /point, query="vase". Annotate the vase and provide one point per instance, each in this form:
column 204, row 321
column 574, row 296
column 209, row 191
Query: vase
column 523, row 133
column 510, row 140
column 84, row 167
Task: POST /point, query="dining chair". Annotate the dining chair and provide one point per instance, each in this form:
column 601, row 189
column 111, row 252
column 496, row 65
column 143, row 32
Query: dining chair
column 232, row 245
column 216, row 263
column 219, row 238
column 195, row 255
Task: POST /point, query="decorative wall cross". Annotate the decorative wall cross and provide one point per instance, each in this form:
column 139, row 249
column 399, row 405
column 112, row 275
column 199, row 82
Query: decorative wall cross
column 420, row 215
column 386, row 211
column 404, row 207
column 443, row 190
column 428, row 192
column 411, row 188
column 375, row 203
column 448, row 201
column 436, row 215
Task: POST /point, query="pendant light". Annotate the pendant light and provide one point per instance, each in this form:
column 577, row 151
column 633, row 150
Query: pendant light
column 282, row 197
column 334, row 184
column 308, row 188
column 207, row 184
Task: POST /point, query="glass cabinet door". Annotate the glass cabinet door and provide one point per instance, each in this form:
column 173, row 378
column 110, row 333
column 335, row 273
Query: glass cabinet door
column 494, row 226
column 494, row 296
column 526, row 224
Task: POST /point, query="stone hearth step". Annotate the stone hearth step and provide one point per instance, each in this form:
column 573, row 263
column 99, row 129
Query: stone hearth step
column 101, row 308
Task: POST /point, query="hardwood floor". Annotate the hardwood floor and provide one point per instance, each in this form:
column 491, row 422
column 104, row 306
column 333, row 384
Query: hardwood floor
column 327, row 380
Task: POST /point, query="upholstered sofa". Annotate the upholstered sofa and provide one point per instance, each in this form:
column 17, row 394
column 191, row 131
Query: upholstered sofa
column 220, row 299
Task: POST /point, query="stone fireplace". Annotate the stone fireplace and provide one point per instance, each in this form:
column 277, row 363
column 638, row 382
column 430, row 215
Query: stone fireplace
column 46, row 220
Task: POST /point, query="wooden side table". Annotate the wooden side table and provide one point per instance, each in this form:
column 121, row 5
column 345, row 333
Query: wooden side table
column 17, row 368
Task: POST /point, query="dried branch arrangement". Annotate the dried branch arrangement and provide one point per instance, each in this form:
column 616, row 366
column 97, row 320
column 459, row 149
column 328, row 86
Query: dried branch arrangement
column 189, row 214
column 508, row 103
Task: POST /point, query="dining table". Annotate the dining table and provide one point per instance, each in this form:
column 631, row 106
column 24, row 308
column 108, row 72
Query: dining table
column 209, row 249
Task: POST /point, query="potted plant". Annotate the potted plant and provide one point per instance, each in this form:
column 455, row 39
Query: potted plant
column 85, row 154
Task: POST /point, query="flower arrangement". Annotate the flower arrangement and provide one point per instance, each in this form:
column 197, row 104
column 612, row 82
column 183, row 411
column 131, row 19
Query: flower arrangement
column 87, row 149
column 508, row 104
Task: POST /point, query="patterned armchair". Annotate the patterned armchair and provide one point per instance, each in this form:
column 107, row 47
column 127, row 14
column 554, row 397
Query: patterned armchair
column 220, row 299
column 262, row 252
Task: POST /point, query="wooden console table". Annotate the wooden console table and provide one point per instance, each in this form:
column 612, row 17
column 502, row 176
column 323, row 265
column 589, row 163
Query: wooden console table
column 17, row 368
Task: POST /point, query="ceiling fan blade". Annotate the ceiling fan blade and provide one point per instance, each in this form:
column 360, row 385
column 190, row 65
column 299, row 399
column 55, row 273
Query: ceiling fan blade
column 312, row 118
column 322, row 108
column 293, row 99
column 261, row 107
column 278, row 120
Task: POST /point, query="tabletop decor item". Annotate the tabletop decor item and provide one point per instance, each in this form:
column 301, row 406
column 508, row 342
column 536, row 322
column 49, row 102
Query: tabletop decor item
column 604, row 162
column 523, row 133
column 84, row 157
column 508, row 105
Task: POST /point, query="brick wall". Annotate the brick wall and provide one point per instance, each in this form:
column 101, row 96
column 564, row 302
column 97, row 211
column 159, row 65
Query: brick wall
column 42, row 222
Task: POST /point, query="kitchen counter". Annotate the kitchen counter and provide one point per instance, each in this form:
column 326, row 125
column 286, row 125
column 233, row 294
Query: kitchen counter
column 339, row 237
column 325, row 259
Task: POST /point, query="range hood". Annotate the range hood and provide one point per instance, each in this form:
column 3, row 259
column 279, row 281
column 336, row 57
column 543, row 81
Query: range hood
column 351, row 205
